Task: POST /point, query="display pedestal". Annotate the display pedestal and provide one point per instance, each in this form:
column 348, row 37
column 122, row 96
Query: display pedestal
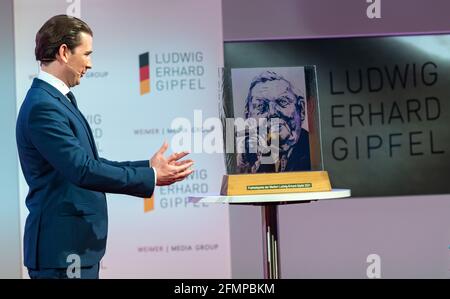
column 269, row 204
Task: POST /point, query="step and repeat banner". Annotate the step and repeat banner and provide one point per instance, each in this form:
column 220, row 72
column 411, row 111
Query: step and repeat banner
column 153, row 62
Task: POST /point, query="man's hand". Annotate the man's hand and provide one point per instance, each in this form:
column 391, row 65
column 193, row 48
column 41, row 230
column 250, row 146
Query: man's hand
column 170, row 170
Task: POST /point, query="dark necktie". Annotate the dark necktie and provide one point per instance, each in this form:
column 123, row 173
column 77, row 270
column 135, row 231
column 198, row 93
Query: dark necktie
column 72, row 99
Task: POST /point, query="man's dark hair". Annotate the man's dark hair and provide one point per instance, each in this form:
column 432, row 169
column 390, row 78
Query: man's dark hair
column 58, row 30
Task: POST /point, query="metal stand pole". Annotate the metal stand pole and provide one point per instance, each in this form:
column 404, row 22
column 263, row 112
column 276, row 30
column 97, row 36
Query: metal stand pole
column 270, row 241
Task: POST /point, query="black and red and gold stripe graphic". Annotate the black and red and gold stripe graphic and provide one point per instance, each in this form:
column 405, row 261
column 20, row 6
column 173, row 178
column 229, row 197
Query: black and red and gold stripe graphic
column 144, row 73
column 149, row 204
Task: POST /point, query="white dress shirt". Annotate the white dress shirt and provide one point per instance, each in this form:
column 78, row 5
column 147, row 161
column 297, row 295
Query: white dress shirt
column 55, row 82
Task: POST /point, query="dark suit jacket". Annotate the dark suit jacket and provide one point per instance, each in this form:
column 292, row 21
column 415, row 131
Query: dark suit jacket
column 300, row 157
column 67, row 181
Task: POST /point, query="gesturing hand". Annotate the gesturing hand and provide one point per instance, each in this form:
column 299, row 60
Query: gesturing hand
column 170, row 170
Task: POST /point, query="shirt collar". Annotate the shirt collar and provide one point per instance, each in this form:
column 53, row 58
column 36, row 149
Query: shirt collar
column 53, row 81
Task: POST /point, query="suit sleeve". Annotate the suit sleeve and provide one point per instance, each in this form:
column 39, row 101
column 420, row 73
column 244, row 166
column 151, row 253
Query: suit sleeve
column 50, row 133
column 144, row 163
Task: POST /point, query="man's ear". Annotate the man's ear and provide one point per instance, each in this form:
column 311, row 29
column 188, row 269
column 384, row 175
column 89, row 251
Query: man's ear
column 301, row 104
column 63, row 53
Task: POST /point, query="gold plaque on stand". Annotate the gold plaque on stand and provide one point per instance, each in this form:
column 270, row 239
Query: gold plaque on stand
column 270, row 183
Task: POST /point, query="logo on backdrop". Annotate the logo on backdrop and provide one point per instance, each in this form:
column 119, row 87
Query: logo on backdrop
column 178, row 248
column 172, row 71
column 176, row 196
column 144, row 73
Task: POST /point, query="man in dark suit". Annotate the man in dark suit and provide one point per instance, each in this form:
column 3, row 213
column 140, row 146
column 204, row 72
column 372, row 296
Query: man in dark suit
column 67, row 179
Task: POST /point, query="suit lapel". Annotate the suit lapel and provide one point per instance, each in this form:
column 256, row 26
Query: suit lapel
column 83, row 122
column 91, row 136
column 37, row 83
